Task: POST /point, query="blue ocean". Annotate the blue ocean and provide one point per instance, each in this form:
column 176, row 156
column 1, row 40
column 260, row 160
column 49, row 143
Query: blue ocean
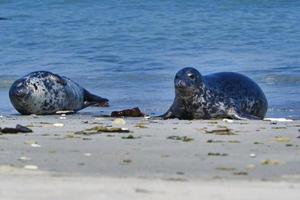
column 129, row 51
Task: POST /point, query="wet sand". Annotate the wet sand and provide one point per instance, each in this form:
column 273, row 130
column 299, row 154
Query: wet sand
column 213, row 159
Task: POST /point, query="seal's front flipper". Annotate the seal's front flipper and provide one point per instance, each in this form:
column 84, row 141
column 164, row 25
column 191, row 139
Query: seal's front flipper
column 168, row 115
column 234, row 114
column 91, row 99
column 65, row 112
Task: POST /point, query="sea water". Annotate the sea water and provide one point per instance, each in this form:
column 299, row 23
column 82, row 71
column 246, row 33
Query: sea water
column 129, row 51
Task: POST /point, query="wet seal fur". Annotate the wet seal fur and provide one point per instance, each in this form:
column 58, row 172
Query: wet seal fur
column 43, row 92
column 220, row 95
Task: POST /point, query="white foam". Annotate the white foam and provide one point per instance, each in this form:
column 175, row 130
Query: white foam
column 278, row 119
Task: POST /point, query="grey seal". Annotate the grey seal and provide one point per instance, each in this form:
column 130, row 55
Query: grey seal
column 43, row 92
column 219, row 95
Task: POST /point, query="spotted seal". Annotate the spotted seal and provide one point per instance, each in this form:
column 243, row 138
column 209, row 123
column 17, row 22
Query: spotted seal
column 219, row 95
column 43, row 92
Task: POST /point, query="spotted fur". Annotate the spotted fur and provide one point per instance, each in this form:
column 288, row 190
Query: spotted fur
column 219, row 95
column 43, row 92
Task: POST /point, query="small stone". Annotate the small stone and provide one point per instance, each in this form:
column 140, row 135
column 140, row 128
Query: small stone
column 58, row 124
column 31, row 167
column 127, row 161
column 35, row 145
column 87, row 154
column 270, row 162
column 252, row 155
column 24, row 158
column 119, row 121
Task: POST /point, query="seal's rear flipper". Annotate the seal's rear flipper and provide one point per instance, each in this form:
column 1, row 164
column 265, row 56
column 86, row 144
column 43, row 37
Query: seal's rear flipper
column 91, row 99
column 241, row 116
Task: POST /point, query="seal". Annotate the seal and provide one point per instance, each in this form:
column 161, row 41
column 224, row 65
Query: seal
column 219, row 95
column 43, row 93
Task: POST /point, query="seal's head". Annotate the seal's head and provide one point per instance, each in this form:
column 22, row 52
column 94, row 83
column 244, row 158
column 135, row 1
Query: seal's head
column 19, row 92
column 187, row 80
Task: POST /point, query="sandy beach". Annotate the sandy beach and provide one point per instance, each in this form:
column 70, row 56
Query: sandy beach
column 215, row 159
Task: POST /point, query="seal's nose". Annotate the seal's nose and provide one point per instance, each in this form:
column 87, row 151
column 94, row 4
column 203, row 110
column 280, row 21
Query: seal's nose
column 180, row 84
column 20, row 93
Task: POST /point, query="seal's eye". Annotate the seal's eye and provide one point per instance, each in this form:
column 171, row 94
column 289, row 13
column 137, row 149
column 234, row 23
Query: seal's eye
column 176, row 76
column 191, row 76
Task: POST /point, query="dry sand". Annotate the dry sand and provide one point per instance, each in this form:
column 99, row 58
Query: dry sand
column 212, row 159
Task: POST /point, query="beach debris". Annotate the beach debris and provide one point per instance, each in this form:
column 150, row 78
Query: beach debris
column 164, row 156
column 250, row 167
column 133, row 112
column 215, row 141
column 127, row 161
column 24, row 158
column 256, row 142
column 279, row 127
column 72, row 136
column 110, row 135
column 130, row 137
column 30, row 142
column 281, row 139
column 270, row 162
column 46, row 123
column 234, row 141
column 51, row 151
column 226, row 168
column 212, row 122
column 221, row 130
column 222, row 141
column 18, row 129
column 278, row 119
column 240, row 173
column 289, row 145
column 87, row 154
column 217, row 154
column 58, row 125
column 102, row 129
column 141, row 125
column 62, row 116
column 252, row 155
column 175, row 179
column 35, row 145
column 31, row 167
column 228, row 120
column 141, row 190
column 119, row 121
column 182, row 138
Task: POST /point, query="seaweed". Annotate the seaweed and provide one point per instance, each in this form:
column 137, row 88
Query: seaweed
column 102, row 129
column 130, row 137
column 222, row 130
column 217, row 154
column 133, row 112
column 18, row 129
column 182, row 138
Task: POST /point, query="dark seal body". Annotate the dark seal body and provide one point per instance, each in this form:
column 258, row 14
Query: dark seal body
column 44, row 93
column 219, row 95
